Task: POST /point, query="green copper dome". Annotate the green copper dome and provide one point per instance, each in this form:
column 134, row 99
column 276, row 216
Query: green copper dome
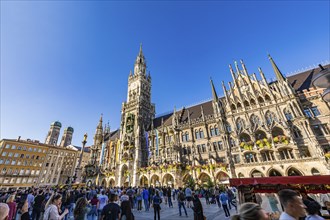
column 57, row 124
column 70, row 129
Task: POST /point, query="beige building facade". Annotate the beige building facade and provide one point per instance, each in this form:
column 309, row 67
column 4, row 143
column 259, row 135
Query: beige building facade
column 26, row 163
column 259, row 128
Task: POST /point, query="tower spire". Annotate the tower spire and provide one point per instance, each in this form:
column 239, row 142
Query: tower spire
column 140, row 63
column 277, row 71
column 214, row 93
column 232, row 72
column 100, row 122
column 244, row 68
column 140, row 52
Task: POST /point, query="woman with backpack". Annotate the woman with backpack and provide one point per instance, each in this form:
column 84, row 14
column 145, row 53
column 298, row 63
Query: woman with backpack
column 156, row 201
column 52, row 208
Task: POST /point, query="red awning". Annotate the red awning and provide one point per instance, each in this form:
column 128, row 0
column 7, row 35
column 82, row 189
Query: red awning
column 281, row 180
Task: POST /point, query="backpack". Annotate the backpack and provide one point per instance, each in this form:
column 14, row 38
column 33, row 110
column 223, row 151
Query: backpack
column 182, row 196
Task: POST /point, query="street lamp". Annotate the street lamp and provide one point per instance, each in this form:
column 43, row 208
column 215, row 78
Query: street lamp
column 322, row 80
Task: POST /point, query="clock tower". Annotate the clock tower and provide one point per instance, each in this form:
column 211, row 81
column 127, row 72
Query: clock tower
column 136, row 115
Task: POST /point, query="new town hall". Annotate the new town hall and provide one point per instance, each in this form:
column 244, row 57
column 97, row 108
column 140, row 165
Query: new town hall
column 258, row 129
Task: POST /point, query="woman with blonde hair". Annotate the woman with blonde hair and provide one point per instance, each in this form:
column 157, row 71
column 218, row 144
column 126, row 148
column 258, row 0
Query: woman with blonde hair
column 12, row 207
column 251, row 211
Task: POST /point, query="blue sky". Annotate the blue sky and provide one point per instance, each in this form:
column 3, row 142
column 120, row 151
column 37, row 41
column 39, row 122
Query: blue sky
column 69, row 61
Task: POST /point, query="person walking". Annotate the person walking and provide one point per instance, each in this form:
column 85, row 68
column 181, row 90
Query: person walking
column 145, row 195
column 103, row 200
column 230, row 198
column 139, row 199
column 93, row 212
column 111, row 211
column 188, row 194
column 81, row 210
column 169, row 197
column 197, row 208
column 224, row 202
column 37, row 205
column 126, row 211
column 12, row 207
column 156, row 201
column 217, row 196
column 181, row 199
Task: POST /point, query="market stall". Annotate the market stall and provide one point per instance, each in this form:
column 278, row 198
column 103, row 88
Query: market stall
column 263, row 190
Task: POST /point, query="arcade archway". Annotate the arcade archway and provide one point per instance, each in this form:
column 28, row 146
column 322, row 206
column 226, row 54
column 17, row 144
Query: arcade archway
column 125, row 176
column 203, row 178
column 112, row 182
column 168, row 180
column 222, row 178
column 154, row 181
column 144, row 181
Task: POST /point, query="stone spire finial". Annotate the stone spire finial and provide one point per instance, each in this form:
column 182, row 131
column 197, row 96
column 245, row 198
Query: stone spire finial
column 277, row 71
column 214, row 93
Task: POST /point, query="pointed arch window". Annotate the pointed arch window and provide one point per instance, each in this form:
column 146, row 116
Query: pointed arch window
column 255, row 121
column 240, row 124
column 228, row 127
column 270, row 117
column 239, row 105
column 253, row 102
column 260, row 99
column 267, row 98
column 288, row 115
column 246, row 103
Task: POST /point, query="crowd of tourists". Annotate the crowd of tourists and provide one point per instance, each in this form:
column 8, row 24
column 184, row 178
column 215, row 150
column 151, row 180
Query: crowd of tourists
column 118, row 204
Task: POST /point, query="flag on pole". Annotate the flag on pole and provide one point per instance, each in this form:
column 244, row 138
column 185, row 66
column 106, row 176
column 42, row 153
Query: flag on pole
column 102, row 153
column 147, row 143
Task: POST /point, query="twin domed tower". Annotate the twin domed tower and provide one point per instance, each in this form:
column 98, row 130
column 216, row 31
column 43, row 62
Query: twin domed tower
column 54, row 132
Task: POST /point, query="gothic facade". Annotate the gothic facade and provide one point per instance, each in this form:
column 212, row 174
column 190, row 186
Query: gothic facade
column 258, row 128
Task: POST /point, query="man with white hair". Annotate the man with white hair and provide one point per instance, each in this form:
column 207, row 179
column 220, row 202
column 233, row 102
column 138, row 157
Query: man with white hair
column 4, row 211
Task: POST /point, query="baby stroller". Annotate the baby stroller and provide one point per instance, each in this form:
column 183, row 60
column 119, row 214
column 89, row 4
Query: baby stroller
column 213, row 200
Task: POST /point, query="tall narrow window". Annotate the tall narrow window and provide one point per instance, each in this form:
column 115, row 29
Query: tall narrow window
column 212, row 131
column 317, row 130
column 308, row 112
column 197, row 134
column 315, row 111
column 201, row 133
column 288, row 115
column 216, row 130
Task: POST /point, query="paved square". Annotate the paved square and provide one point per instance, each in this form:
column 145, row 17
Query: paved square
column 212, row 212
